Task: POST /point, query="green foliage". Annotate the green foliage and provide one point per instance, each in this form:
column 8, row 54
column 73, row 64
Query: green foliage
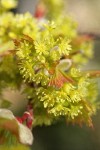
column 7, row 136
column 18, row 147
column 9, row 74
column 5, row 103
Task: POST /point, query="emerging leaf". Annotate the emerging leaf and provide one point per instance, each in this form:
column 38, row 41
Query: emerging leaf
column 9, row 123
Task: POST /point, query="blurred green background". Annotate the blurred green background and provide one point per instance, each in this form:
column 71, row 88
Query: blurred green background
column 62, row 136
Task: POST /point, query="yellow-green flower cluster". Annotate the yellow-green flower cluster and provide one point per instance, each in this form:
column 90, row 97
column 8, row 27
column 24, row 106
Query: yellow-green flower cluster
column 7, row 4
column 40, row 56
column 72, row 101
column 54, row 8
column 58, row 93
column 15, row 26
column 46, row 56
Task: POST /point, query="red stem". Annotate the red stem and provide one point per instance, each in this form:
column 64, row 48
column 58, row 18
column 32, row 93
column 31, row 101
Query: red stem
column 93, row 73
